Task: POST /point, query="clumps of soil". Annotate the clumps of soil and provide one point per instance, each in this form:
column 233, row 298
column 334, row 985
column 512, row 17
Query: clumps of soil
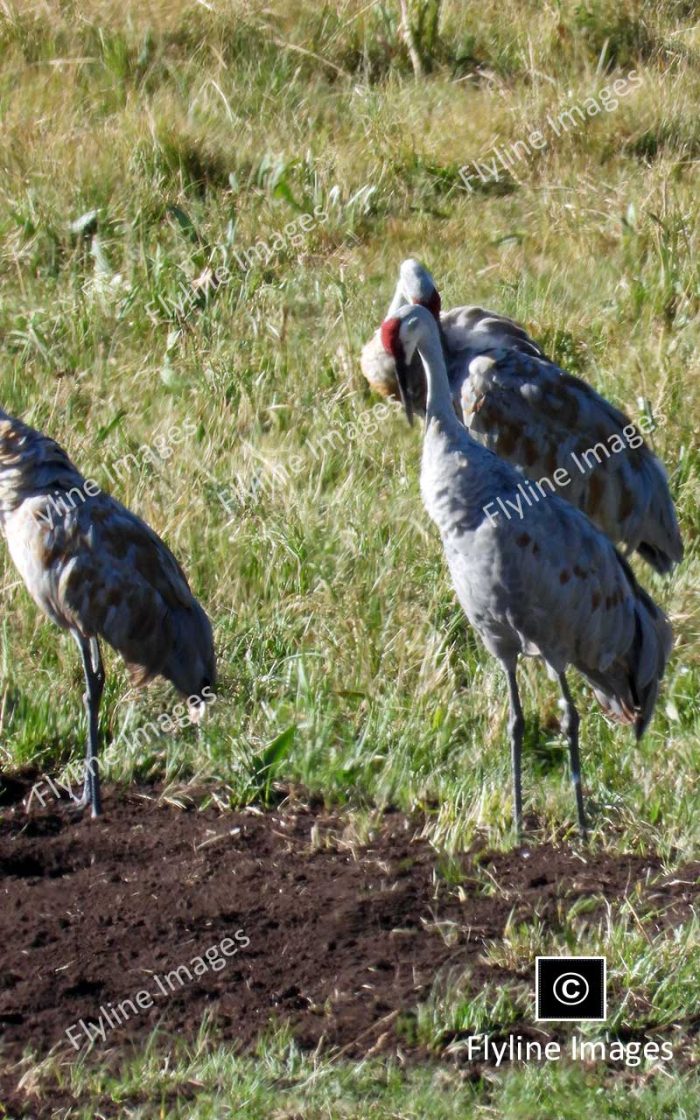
column 344, row 938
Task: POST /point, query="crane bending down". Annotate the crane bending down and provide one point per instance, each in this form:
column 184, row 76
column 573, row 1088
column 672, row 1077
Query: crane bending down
column 561, row 433
column 549, row 585
column 98, row 571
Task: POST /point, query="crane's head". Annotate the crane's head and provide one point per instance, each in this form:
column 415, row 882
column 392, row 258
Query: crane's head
column 415, row 285
column 401, row 335
column 420, row 287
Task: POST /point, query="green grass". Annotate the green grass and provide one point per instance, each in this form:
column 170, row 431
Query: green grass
column 649, row 977
column 208, row 1081
column 194, row 131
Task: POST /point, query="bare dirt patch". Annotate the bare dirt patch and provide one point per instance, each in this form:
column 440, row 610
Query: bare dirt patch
column 343, row 938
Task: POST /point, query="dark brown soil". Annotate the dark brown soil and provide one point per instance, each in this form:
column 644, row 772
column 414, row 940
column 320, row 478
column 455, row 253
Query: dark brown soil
column 344, row 939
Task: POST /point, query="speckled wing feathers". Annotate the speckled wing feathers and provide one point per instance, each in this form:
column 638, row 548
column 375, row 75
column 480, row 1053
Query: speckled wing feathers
column 537, row 417
column 96, row 568
column 478, row 331
column 541, row 419
column 30, row 463
column 547, row 584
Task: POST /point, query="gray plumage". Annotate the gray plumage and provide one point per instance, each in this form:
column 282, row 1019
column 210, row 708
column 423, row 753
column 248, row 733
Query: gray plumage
column 534, row 415
column 546, row 583
column 98, row 571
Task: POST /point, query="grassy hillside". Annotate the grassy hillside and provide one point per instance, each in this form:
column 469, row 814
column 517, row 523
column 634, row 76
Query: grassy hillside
column 146, row 146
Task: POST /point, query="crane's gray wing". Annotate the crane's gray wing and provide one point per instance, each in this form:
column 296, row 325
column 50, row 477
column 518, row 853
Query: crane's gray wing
column 546, row 421
column 562, row 587
column 587, row 595
column 478, row 331
column 108, row 574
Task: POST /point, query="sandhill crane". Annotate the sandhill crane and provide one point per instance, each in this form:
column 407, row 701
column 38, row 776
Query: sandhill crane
column 466, row 333
column 556, row 428
column 548, row 583
column 98, row 571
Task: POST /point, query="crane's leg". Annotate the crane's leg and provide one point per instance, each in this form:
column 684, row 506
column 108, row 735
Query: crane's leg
column 516, row 727
column 570, row 729
column 94, row 685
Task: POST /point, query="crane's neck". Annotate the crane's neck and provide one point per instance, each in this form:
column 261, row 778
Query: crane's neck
column 440, row 406
column 398, row 300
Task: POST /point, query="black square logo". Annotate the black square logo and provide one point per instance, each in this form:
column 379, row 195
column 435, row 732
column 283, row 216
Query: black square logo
column 570, row 988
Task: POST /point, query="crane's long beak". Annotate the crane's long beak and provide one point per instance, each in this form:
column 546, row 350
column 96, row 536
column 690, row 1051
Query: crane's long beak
column 404, row 392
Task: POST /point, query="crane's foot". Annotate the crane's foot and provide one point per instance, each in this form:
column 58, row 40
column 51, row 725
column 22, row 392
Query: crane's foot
column 80, row 804
column 90, row 796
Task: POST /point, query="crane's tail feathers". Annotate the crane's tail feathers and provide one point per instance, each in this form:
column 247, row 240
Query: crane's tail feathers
column 660, row 560
column 660, row 538
column 649, row 654
column 627, row 689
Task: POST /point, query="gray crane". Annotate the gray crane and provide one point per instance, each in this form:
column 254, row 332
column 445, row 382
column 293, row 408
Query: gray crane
column 546, row 584
column 466, row 332
column 98, row 571
column 555, row 427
